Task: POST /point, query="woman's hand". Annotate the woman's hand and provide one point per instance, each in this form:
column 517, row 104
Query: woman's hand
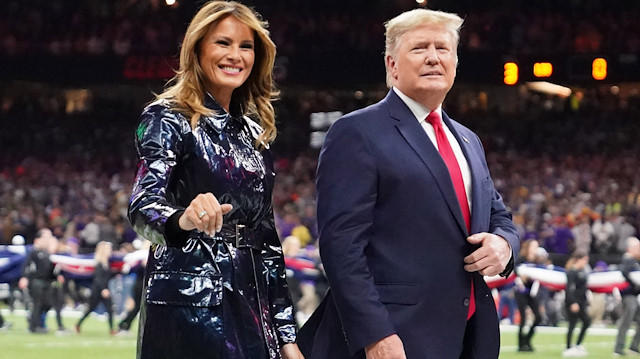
column 291, row 351
column 204, row 213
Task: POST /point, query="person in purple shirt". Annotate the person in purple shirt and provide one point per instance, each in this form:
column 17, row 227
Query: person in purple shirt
column 562, row 239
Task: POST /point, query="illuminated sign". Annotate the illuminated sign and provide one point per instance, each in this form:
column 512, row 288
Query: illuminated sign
column 149, row 67
column 510, row 73
column 542, row 69
column 599, row 69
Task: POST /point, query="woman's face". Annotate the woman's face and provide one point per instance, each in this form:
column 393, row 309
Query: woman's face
column 226, row 55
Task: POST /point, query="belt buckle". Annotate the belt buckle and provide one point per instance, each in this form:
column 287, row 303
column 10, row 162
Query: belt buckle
column 240, row 236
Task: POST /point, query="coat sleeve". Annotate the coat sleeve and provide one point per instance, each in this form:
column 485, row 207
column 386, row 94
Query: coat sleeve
column 158, row 143
column 347, row 193
column 281, row 306
column 500, row 222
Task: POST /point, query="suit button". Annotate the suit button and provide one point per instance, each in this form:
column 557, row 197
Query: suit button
column 466, row 302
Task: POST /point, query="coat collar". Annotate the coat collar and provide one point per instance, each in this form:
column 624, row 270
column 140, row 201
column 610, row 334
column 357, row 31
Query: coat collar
column 219, row 116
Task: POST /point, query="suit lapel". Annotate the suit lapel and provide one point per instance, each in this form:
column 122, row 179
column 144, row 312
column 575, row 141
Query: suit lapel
column 415, row 136
column 474, row 167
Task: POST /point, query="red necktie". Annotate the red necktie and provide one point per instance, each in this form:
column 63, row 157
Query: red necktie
column 458, row 184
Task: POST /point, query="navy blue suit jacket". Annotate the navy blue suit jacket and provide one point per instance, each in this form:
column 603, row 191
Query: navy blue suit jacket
column 393, row 239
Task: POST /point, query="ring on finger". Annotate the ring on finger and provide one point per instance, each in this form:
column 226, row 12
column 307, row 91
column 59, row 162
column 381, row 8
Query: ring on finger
column 202, row 214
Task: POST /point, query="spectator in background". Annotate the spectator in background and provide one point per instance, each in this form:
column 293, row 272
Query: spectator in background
column 90, row 234
column 526, row 295
column 3, row 324
column 562, row 241
column 56, row 292
column 100, row 292
column 598, row 303
column 624, row 231
column 136, row 292
column 630, row 312
column 507, row 301
column 582, row 233
column 37, row 277
column 576, row 301
column 603, row 234
column 302, row 273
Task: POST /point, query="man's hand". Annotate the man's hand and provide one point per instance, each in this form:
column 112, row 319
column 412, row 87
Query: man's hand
column 491, row 258
column 387, row 348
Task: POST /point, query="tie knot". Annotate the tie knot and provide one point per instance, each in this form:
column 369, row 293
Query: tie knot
column 433, row 118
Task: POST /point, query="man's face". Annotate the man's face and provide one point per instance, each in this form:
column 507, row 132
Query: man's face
column 423, row 65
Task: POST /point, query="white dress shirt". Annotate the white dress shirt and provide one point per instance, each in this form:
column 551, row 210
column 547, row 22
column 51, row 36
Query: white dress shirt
column 420, row 112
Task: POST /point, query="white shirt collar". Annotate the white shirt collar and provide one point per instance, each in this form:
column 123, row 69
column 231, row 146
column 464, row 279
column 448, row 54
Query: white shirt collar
column 419, row 110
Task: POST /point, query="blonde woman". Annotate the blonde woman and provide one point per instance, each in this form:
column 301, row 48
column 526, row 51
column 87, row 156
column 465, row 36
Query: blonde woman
column 100, row 285
column 215, row 282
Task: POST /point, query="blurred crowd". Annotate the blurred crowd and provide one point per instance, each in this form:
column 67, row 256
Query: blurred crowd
column 566, row 167
column 150, row 27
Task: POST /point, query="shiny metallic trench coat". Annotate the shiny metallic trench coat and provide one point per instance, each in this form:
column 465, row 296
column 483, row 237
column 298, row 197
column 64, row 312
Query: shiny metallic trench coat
column 208, row 297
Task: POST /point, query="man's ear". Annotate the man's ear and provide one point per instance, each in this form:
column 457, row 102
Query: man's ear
column 391, row 66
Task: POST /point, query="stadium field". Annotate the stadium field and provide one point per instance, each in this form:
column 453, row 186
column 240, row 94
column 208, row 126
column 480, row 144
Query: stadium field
column 95, row 342
column 549, row 343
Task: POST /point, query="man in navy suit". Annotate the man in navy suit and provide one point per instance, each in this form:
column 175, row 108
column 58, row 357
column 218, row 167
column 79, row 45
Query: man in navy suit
column 409, row 217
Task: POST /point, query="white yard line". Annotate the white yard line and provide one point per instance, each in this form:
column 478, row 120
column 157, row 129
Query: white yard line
column 559, row 347
column 563, row 330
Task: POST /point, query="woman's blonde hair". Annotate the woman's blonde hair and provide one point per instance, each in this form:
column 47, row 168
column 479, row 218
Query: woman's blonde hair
column 409, row 20
column 254, row 96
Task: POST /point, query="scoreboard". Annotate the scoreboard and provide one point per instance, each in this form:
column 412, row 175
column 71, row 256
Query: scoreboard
column 572, row 69
column 544, row 70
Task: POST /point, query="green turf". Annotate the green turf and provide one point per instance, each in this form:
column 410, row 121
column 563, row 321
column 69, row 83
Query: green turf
column 549, row 343
column 95, row 342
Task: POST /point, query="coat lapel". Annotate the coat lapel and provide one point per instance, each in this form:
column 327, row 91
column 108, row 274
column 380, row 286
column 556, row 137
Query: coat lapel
column 415, row 136
column 474, row 166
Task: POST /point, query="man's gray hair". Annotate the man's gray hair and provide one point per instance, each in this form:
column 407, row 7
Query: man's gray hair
column 409, row 20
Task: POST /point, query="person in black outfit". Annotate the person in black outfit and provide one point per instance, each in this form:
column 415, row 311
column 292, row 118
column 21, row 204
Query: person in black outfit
column 4, row 325
column 576, row 300
column 630, row 312
column 526, row 296
column 139, row 271
column 100, row 286
column 37, row 276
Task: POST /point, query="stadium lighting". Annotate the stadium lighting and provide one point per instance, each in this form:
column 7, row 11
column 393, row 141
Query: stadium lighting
column 549, row 88
column 542, row 69
column 510, row 73
column 599, row 69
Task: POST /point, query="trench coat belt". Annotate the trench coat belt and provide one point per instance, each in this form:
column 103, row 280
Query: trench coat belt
column 241, row 237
